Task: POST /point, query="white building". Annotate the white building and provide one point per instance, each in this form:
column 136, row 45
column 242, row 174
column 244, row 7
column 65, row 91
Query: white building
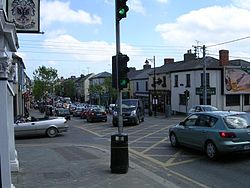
column 188, row 75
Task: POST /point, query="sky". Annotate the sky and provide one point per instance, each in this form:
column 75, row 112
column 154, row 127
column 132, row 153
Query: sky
column 79, row 35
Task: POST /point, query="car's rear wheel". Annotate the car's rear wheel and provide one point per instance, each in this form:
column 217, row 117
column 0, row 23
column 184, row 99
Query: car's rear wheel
column 52, row 132
column 211, row 150
column 173, row 140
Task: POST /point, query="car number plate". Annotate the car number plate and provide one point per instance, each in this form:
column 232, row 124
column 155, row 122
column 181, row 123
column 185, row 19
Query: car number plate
column 246, row 147
column 125, row 119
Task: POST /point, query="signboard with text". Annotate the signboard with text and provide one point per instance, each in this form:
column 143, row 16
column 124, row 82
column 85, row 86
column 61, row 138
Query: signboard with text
column 25, row 14
column 210, row 91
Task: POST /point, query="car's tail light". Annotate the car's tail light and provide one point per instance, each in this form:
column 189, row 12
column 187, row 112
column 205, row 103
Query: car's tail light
column 227, row 135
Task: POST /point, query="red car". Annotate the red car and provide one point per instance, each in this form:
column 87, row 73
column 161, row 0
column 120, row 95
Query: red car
column 96, row 114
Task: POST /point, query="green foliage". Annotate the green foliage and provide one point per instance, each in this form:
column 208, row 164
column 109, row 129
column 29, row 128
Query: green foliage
column 44, row 80
column 69, row 89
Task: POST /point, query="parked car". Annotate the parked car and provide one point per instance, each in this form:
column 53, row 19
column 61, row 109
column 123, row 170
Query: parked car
column 132, row 112
column 213, row 132
column 63, row 112
column 96, row 114
column 35, row 126
column 202, row 108
column 77, row 112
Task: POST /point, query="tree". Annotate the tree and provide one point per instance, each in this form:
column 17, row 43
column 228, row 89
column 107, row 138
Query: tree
column 110, row 90
column 44, row 81
column 69, row 89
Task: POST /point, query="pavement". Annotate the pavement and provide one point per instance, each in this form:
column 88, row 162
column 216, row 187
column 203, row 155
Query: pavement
column 63, row 165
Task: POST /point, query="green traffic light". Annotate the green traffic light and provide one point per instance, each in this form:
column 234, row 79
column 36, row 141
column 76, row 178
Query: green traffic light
column 122, row 11
column 123, row 82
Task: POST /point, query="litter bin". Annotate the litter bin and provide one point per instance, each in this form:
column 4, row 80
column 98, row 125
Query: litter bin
column 119, row 153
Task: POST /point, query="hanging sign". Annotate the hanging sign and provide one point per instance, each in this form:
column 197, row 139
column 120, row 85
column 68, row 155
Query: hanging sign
column 25, row 14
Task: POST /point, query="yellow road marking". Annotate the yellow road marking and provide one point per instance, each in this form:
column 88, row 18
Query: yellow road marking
column 148, row 135
column 164, row 166
column 87, row 130
column 157, row 143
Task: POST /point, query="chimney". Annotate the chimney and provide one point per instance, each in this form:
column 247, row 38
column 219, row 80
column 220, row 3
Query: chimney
column 146, row 66
column 131, row 69
column 224, row 57
column 189, row 56
column 168, row 60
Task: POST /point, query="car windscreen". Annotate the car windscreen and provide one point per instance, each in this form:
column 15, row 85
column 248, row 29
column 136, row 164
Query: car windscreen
column 131, row 104
column 238, row 121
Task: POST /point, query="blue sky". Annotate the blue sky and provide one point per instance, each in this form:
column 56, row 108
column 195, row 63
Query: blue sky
column 80, row 34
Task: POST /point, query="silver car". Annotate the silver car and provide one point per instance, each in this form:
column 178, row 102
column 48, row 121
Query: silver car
column 34, row 126
column 202, row 108
column 213, row 132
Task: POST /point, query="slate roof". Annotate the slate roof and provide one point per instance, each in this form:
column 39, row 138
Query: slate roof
column 197, row 64
column 102, row 75
column 141, row 74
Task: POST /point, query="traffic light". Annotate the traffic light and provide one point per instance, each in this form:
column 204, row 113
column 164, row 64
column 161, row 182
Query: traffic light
column 122, row 71
column 114, row 72
column 187, row 94
column 119, row 75
column 121, row 9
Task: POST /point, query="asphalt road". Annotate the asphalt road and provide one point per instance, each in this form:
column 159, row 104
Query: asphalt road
column 149, row 147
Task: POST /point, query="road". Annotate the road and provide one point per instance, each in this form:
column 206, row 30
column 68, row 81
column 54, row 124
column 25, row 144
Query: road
column 149, row 148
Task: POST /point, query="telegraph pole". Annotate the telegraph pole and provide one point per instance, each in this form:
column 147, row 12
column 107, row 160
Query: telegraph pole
column 204, row 76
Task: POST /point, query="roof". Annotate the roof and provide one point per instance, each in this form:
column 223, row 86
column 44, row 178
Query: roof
column 142, row 74
column 196, row 64
column 102, row 75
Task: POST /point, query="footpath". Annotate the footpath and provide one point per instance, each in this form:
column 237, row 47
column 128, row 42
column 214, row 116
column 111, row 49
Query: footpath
column 76, row 166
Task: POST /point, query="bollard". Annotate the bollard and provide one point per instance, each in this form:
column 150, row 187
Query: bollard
column 119, row 153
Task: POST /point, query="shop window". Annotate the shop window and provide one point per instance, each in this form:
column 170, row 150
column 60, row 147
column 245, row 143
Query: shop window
column 232, row 100
column 246, row 99
column 182, row 99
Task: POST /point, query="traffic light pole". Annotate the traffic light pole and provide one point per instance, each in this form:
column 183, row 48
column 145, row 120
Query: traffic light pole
column 119, row 92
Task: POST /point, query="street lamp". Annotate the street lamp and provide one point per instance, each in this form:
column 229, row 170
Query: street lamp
column 154, row 85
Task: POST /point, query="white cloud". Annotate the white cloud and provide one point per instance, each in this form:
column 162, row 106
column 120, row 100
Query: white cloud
column 162, row 1
column 57, row 11
column 94, row 54
column 209, row 25
column 137, row 6
column 242, row 4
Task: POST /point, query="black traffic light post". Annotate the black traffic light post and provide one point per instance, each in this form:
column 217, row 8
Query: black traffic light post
column 119, row 142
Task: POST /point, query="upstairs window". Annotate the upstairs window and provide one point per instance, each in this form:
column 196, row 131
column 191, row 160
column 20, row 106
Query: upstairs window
column 188, row 84
column 176, row 81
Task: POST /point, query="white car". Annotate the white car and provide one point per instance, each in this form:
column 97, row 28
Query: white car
column 202, row 108
column 35, row 126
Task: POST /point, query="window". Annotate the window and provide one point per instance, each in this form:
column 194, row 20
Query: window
column 146, row 86
column 232, row 100
column 208, row 99
column 176, row 81
column 182, row 99
column 137, row 86
column 246, row 99
column 207, row 79
column 205, row 121
column 191, row 120
column 188, row 80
